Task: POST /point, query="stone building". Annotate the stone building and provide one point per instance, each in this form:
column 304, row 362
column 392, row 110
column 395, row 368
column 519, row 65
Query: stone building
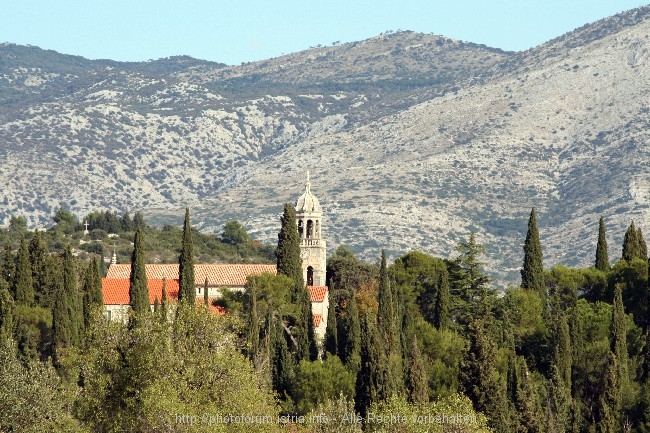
column 313, row 251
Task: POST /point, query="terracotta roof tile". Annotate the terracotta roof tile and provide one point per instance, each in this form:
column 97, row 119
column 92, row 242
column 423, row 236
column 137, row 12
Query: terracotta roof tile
column 317, row 319
column 231, row 275
column 116, row 290
column 317, row 293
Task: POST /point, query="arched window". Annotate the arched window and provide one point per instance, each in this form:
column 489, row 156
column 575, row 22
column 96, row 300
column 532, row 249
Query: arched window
column 317, row 231
column 300, row 228
column 310, row 228
column 310, row 276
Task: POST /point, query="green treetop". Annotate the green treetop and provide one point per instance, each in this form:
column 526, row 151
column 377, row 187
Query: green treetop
column 631, row 244
column 288, row 252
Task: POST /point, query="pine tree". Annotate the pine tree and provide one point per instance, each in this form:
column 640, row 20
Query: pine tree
column 138, row 293
column 40, row 260
column 602, row 258
column 631, row 246
column 331, row 334
column 23, row 288
column 72, row 294
column 532, row 274
column 441, row 317
column 288, row 252
column 186, row 291
column 418, row 385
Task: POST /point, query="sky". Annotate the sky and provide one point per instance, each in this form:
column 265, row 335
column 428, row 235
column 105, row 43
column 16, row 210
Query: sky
column 239, row 31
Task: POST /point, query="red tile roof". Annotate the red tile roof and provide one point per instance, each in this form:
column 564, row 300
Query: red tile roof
column 116, row 292
column 231, row 275
column 317, row 293
column 317, row 319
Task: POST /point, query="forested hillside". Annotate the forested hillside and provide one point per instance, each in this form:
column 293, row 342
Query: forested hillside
column 420, row 344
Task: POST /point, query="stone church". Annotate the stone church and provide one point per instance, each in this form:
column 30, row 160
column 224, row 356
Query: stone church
column 313, row 251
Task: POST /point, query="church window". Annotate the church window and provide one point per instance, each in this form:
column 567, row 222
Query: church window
column 317, row 229
column 310, row 276
column 310, row 228
column 300, row 228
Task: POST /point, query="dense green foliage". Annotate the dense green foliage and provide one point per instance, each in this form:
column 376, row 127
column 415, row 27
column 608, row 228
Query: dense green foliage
column 186, row 291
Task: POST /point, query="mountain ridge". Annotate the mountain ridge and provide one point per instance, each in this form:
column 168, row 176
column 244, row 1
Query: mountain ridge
column 397, row 140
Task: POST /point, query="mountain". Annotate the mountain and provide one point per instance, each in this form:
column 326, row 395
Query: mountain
column 412, row 140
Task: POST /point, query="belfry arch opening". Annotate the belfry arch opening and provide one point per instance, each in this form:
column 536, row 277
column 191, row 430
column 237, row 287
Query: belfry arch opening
column 310, row 276
column 301, row 229
column 310, row 228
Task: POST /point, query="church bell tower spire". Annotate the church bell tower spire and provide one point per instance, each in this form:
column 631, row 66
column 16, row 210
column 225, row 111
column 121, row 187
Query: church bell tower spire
column 313, row 251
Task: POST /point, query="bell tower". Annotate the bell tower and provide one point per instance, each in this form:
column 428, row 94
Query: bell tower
column 313, row 251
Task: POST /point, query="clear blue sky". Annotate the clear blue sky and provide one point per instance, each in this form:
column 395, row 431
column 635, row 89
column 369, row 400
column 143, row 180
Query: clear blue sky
column 245, row 30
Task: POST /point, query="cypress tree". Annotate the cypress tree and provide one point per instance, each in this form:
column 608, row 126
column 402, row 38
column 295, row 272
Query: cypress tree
column 288, row 252
column 97, row 297
column 602, row 258
column 163, row 301
column 559, row 403
column 186, row 291
column 253, row 324
column 610, row 400
column 441, row 317
column 72, row 294
column 23, row 288
column 371, row 378
column 385, row 312
column 6, row 313
column 418, row 384
column 350, row 344
column 282, row 368
column 331, row 334
column 138, row 293
column 619, row 335
column 8, row 265
column 631, row 246
column 532, row 274
column 307, row 347
column 206, row 297
column 643, row 247
column 40, row 260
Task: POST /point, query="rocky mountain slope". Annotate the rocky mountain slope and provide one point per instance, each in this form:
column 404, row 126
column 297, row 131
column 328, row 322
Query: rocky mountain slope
column 412, row 140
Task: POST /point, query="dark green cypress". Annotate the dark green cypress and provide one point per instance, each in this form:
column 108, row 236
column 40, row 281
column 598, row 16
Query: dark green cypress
column 385, row 312
column 40, row 259
column 372, row 375
column 163, row 302
column 441, row 317
column 186, row 290
column 206, row 293
column 138, row 293
column 619, row 334
column 602, row 258
column 6, row 313
column 331, row 334
column 610, row 400
column 307, row 347
column 8, row 265
column 61, row 321
column 288, row 252
column 350, row 345
column 418, row 384
column 253, row 324
column 23, row 288
column 631, row 247
column 97, row 297
column 72, row 294
column 532, row 274
column 282, row 368
column 643, row 247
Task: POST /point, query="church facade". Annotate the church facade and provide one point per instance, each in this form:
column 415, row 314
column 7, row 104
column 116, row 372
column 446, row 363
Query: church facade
column 313, row 252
